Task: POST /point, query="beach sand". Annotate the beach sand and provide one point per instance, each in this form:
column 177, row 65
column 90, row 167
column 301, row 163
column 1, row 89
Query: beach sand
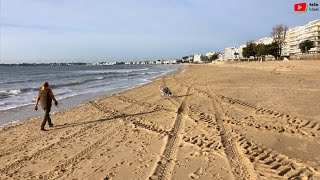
column 245, row 120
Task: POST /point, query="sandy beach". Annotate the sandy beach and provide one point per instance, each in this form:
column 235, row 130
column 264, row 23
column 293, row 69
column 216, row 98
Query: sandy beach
column 247, row 120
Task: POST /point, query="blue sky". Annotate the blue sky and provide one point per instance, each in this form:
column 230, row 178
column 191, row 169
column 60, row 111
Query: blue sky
column 123, row 30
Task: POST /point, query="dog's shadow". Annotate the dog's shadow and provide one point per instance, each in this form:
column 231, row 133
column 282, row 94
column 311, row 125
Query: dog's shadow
column 182, row 95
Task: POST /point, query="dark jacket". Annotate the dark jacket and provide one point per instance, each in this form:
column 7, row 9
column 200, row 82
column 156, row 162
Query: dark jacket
column 45, row 97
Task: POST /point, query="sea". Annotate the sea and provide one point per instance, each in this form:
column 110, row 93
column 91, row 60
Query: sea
column 19, row 85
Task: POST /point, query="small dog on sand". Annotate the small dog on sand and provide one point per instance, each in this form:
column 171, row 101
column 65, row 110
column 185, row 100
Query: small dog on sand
column 165, row 91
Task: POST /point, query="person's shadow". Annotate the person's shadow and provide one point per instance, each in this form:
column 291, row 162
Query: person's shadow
column 56, row 127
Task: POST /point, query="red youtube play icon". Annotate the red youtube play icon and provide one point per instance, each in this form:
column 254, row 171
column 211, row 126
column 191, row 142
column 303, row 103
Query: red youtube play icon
column 300, row 7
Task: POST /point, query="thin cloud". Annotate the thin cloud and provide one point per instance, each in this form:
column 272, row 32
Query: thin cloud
column 45, row 27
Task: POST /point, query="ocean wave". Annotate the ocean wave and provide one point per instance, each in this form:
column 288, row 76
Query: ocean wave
column 68, row 84
column 8, row 107
column 76, row 83
column 111, row 71
column 73, row 83
column 15, row 103
column 10, row 92
column 18, row 81
column 154, row 72
column 93, row 74
column 23, row 90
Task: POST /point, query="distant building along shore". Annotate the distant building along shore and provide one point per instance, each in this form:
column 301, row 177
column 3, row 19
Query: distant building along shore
column 294, row 36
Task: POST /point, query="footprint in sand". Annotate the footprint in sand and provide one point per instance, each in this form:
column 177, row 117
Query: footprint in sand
column 197, row 174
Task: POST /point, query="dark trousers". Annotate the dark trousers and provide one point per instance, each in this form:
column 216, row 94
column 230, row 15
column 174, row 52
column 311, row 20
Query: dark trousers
column 46, row 117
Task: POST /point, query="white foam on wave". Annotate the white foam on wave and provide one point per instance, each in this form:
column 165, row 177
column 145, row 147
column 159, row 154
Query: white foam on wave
column 8, row 107
column 106, row 71
column 13, row 91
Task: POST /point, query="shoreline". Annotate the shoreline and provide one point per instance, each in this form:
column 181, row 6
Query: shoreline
column 28, row 112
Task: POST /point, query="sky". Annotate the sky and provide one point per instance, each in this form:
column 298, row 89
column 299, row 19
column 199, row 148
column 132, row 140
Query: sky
column 126, row 30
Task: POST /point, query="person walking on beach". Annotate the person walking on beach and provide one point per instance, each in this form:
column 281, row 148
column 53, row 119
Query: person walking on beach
column 45, row 97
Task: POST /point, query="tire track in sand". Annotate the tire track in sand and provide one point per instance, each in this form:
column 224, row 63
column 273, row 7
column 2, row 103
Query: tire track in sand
column 62, row 168
column 130, row 118
column 172, row 99
column 149, row 127
column 211, row 140
column 269, row 126
column 167, row 161
column 143, row 104
column 23, row 145
column 19, row 147
column 19, row 163
column 201, row 141
column 14, row 166
column 270, row 164
column 304, row 127
column 204, row 142
column 241, row 168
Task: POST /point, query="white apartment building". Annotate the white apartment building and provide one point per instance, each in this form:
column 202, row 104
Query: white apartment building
column 240, row 50
column 159, row 62
column 190, row 58
column 313, row 34
column 265, row 40
column 105, row 63
column 209, row 54
column 221, row 57
column 173, row 61
column 198, row 58
column 309, row 31
column 294, row 36
column 231, row 53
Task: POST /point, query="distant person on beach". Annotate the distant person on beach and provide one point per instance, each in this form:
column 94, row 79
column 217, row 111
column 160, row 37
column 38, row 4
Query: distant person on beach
column 45, row 97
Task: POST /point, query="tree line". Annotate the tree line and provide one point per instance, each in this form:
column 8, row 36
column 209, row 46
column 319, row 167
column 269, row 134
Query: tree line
column 260, row 50
column 278, row 34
